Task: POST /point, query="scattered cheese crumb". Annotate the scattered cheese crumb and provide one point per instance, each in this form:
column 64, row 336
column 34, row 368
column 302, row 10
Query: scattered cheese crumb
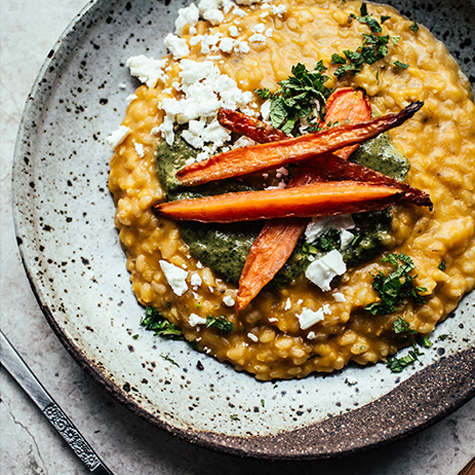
column 228, row 301
column 322, row 271
column 178, row 46
column 288, row 304
column 122, row 85
column 311, row 335
column 309, row 318
column 339, row 297
column 155, row 131
column 175, row 277
column 233, row 31
column 257, row 38
column 194, row 320
column 278, row 9
column 195, row 280
column 139, row 149
column 186, row 16
column 147, row 70
column 118, row 136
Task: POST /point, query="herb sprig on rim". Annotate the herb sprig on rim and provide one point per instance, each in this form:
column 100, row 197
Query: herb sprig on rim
column 301, row 96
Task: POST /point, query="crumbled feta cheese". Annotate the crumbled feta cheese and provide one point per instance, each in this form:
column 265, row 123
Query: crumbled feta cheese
column 288, row 304
column 252, row 337
column 228, row 301
column 226, row 45
column 346, row 237
column 243, row 47
column 257, row 38
column 122, row 85
column 247, row 2
column 205, row 90
column 147, row 70
column 243, row 142
column 194, row 320
column 278, row 9
column 233, row 31
column 155, row 131
column 311, row 335
column 265, row 110
column 259, row 28
column 269, row 32
column 210, row 10
column 272, row 320
column 139, row 149
column 178, row 46
column 319, row 225
column 239, row 12
column 339, row 297
column 186, row 16
column 195, row 280
column 175, row 277
column 118, row 136
column 322, row 271
column 199, row 265
column 131, row 98
column 282, row 171
column 309, row 318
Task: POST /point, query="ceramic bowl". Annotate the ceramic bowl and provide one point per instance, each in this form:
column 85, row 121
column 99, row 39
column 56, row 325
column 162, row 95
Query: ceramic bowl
column 64, row 217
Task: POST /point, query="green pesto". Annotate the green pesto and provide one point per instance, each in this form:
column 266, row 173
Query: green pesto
column 224, row 247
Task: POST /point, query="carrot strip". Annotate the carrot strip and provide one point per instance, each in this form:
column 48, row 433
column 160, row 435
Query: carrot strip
column 254, row 129
column 243, row 161
column 336, row 168
column 278, row 238
column 318, row 199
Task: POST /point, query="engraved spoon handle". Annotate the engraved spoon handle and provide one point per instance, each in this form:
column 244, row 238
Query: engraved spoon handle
column 14, row 364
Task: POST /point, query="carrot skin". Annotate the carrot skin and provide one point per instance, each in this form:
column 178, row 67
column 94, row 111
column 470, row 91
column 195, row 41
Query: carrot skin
column 246, row 160
column 250, row 127
column 318, row 199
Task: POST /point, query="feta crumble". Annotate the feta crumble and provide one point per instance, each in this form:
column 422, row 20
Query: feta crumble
column 288, row 304
column 175, row 277
column 322, row 271
column 257, row 38
column 228, row 301
column 339, row 297
column 187, row 16
column 195, row 280
column 147, row 70
column 194, row 320
column 178, row 46
column 319, row 225
column 118, row 136
column 139, row 149
column 131, row 98
column 252, row 337
column 309, row 318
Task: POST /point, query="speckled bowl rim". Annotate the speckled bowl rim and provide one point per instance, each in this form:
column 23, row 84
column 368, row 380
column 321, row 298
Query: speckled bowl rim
column 446, row 384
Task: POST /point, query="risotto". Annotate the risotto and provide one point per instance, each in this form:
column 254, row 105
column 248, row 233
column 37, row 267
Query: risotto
column 297, row 327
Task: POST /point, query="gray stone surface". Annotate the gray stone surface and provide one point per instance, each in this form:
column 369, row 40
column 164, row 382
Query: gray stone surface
column 127, row 444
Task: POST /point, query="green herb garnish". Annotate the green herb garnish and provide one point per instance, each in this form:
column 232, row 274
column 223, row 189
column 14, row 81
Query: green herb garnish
column 234, row 417
column 384, row 18
column 301, row 96
column 396, row 287
column 414, row 27
column 396, row 365
column 135, row 337
column 401, row 326
column 395, row 39
column 220, row 323
column 442, row 265
column 400, row 65
column 153, row 321
column 167, row 358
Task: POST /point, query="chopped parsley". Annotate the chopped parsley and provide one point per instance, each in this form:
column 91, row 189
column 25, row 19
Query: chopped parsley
column 443, row 337
column 414, row 27
column 400, row 65
column 263, row 403
column 396, row 287
column 300, row 96
column 396, row 365
column 374, row 48
column 167, row 358
column 135, row 337
column 220, row 323
column 234, row 417
column 401, row 326
column 395, row 39
column 442, row 265
column 384, row 18
column 153, row 321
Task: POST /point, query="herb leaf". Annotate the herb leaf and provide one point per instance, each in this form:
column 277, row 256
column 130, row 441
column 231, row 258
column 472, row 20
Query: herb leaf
column 414, row 27
column 220, row 323
column 153, row 321
column 400, row 65
column 396, row 365
column 301, row 96
column 396, row 287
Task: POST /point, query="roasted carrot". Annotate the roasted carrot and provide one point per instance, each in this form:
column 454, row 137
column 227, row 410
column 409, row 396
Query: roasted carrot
column 243, row 161
column 278, row 238
column 318, row 199
column 250, row 127
column 336, row 168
